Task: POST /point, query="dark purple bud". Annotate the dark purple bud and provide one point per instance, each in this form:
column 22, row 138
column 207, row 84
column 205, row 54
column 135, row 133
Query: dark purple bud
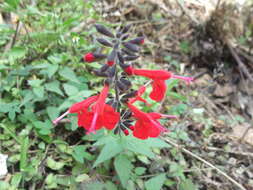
column 121, row 86
column 131, row 57
column 126, row 82
column 127, row 52
column 104, row 68
column 111, row 58
column 108, row 81
column 124, row 37
column 103, row 30
column 130, row 94
column 99, row 55
column 123, row 65
column 131, row 47
column 118, row 35
column 128, row 123
column 104, row 42
column 127, row 115
column 126, row 28
column 138, row 40
column 116, row 131
column 111, row 71
column 100, row 74
column 120, row 57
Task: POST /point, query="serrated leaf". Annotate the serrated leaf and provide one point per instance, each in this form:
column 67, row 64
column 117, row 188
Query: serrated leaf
column 108, row 151
column 68, row 74
column 123, row 168
column 54, row 87
column 156, row 182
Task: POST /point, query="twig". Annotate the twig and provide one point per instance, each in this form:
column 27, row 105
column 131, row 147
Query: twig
column 205, row 162
column 187, row 13
column 240, row 63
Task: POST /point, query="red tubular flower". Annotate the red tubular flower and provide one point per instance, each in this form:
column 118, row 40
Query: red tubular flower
column 146, row 125
column 159, row 86
column 93, row 113
column 100, row 114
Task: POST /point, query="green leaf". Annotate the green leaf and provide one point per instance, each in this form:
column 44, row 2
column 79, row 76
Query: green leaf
column 68, row 74
column 16, row 179
column 54, row 87
column 108, row 151
column 39, row 91
column 17, row 52
column 140, row 170
column 187, row 185
column 52, row 112
column 157, row 143
column 23, row 154
column 82, row 178
column 54, row 165
column 123, row 168
column 138, row 146
column 51, row 70
column 156, row 182
column 70, row 89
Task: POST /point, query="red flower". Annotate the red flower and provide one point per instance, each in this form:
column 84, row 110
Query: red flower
column 146, row 125
column 89, row 57
column 159, row 86
column 100, row 115
column 93, row 113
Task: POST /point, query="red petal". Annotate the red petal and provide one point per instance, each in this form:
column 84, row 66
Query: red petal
column 77, row 107
column 153, row 74
column 110, row 117
column 158, row 91
column 99, row 107
column 141, row 130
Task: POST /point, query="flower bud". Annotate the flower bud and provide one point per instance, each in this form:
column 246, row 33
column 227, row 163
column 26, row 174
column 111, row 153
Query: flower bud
column 99, row 73
column 126, row 132
column 126, row 28
column 131, row 127
column 130, row 94
column 127, row 52
column 89, row 57
column 104, row 68
column 111, row 71
column 126, row 82
column 121, row 86
column 131, row 47
column 127, row 115
column 131, row 57
column 103, row 30
column 104, row 42
column 111, row 58
column 124, row 37
column 137, row 41
column 108, row 81
column 128, row 70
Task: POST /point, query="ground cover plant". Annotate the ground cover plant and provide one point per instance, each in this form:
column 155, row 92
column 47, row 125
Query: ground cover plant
column 90, row 98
